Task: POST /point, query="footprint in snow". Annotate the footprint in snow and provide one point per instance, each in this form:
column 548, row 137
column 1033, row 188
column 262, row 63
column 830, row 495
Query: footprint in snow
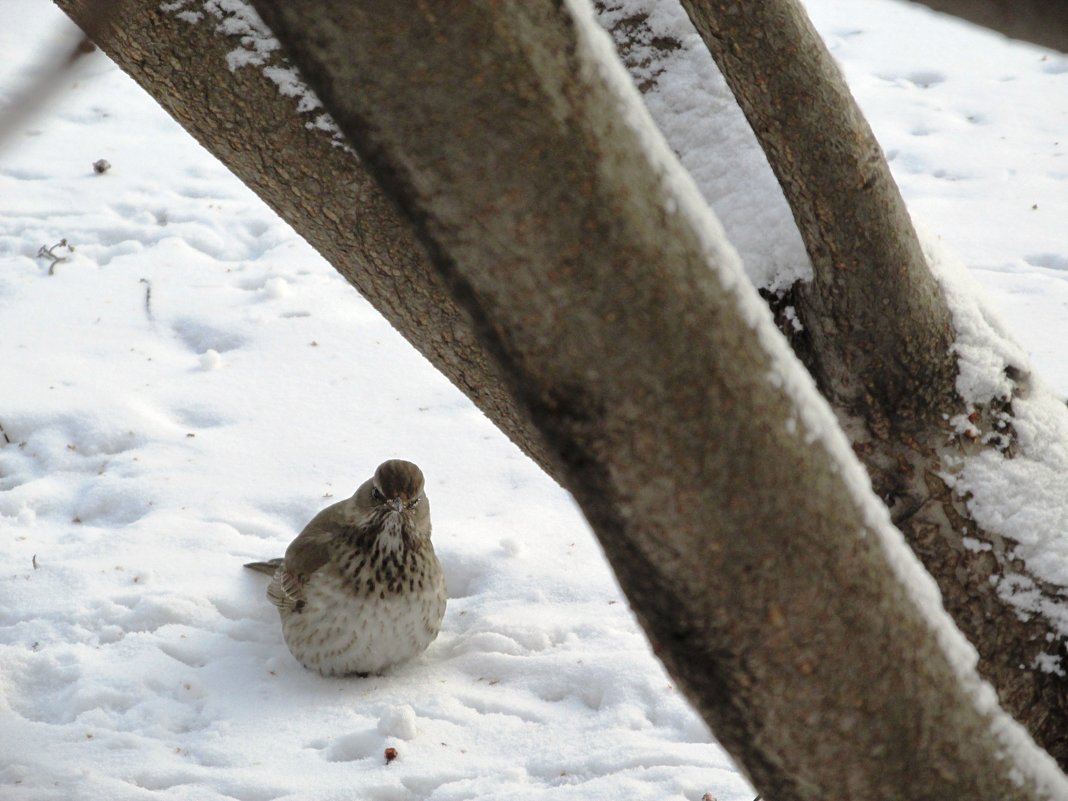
column 201, row 337
column 925, row 79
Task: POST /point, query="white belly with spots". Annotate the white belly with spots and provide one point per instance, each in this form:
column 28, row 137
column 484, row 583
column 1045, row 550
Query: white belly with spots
column 338, row 633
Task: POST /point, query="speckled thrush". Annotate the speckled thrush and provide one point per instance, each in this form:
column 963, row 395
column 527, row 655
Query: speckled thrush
column 360, row 589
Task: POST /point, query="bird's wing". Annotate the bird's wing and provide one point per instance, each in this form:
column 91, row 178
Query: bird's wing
column 306, row 554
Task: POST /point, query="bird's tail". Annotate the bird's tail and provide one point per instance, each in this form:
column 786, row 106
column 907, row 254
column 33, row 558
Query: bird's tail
column 269, row 567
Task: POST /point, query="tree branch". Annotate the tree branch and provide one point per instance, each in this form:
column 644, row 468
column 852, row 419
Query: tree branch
column 330, row 200
column 1043, row 22
column 879, row 325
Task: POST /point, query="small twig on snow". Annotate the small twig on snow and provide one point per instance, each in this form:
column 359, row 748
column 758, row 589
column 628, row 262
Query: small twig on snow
column 46, row 252
column 148, row 298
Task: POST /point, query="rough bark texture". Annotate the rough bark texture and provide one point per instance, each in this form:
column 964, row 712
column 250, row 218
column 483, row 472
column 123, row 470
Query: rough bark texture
column 878, row 334
column 315, row 185
column 1009, row 644
column 752, row 566
column 1044, row 22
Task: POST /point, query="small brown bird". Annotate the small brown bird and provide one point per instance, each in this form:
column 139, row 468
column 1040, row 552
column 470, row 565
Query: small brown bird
column 360, row 589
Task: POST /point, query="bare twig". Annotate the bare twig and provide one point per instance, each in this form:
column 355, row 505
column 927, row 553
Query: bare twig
column 7, row 439
column 148, row 298
column 46, row 252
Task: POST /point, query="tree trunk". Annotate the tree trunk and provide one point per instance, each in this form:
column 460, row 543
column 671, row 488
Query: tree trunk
column 878, row 336
column 299, row 168
column 1044, row 22
column 770, row 582
column 880, row 327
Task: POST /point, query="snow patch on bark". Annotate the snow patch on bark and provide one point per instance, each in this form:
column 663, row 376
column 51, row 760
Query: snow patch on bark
column 1018, row 495
column 257, row 47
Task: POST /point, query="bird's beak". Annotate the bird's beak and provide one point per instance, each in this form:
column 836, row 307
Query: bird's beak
column 396, row 504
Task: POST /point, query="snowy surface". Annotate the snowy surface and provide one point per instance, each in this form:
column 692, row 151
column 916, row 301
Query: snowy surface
column 193, row 382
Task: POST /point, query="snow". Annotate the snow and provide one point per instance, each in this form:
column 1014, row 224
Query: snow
column 697, row 114
column 192, row 382
column 1019, row 496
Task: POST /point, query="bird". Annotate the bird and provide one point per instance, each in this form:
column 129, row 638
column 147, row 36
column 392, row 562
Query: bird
column 360, row 590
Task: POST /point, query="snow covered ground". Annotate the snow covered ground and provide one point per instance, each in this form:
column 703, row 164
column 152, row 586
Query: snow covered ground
column 192, row 382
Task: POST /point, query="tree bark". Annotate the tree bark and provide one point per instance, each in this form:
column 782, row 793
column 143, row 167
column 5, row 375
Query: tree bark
column 301, row 172
column 1043, row 22
column 728, row 504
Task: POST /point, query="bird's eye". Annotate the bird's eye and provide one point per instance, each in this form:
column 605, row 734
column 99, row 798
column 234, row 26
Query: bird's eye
column 377, row 495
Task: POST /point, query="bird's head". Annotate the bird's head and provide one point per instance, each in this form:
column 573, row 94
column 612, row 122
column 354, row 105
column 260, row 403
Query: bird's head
column 397, row 486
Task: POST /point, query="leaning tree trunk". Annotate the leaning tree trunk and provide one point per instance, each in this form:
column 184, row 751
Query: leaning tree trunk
column 878, row 336
column 729, row 504
column 296, row 164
